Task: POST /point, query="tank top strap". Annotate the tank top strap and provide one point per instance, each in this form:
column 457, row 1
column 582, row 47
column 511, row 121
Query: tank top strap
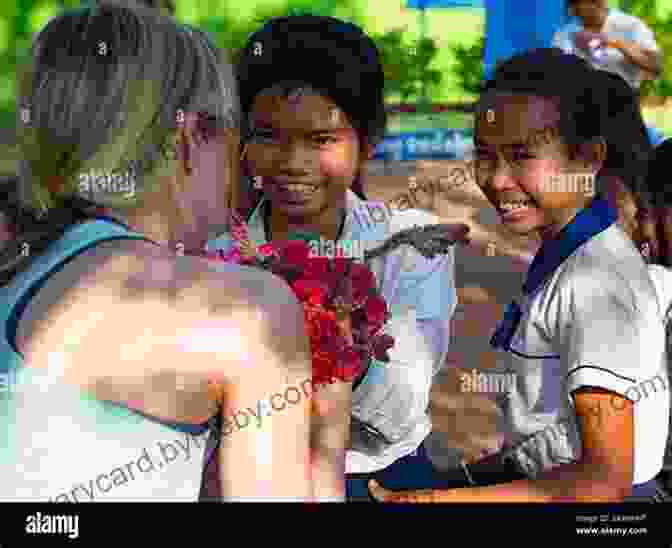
column 15, row 296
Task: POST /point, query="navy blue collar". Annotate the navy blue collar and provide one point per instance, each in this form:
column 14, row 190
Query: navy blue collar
column 589, row 222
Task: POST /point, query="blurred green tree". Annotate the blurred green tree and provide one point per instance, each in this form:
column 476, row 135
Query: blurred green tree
column 469, row 67
column 407, row 65
column 648, row 11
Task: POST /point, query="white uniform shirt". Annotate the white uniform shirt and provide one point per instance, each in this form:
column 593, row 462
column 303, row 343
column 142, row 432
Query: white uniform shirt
column 589, row 316
column 662, row 279
column 620, row 26
column 394, row 397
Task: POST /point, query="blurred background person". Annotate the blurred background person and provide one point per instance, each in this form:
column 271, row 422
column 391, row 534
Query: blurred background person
column 623, row 178
column 659, row 187
column 114, row 342
column 611, row 40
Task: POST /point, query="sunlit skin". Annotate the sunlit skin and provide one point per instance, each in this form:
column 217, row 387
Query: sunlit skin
column 509, row 168
column 604, row 472
column 307, row 139
column 513, row 164
column 592, row 13
column 164, row 367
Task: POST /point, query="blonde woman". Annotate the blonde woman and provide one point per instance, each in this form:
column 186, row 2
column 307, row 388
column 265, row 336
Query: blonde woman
column 112, row 342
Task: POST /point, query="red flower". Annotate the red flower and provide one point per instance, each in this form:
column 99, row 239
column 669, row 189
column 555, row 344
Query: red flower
column 311, row 291
column 362, row 277
column 376, row 310
column 294, row 252
column 350, row 364
column 363, row 283
column 317, row 267
column 381, row 344
column 314, row 281
column 266, row 250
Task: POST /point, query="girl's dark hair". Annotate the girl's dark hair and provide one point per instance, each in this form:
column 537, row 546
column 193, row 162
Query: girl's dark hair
column 629, row 148
column 658, row 176
column 597, row 104
column 334, row 57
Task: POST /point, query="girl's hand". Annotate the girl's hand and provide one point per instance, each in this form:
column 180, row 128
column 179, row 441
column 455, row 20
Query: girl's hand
column 588, row 41
column 384, row 495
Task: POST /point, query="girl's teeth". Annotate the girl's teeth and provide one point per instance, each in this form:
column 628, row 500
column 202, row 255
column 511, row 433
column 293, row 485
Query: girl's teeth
column 300, row 188
column 509, row 206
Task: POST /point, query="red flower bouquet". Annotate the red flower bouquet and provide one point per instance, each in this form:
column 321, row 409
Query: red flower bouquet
column 344, row 312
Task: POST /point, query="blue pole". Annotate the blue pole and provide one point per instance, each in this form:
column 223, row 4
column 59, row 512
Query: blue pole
column 515, row 26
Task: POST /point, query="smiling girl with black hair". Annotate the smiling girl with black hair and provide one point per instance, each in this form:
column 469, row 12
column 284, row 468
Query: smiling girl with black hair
column 311, row 92
column 584, row 337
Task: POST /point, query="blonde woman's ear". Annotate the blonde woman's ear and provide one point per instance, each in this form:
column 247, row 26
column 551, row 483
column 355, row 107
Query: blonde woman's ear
column 185, row 139
column 370, row 151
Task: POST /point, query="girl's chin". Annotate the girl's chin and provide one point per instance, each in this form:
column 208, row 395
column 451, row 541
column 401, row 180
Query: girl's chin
column 523, row 222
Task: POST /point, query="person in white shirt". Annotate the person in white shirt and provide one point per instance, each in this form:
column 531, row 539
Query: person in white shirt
column 587, row 418
column 661, row 273
column 611, row 40
column 660, row 214
column 662, row 279
column 311, row 130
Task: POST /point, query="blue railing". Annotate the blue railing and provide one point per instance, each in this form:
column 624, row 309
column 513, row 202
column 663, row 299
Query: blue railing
column 443, row 144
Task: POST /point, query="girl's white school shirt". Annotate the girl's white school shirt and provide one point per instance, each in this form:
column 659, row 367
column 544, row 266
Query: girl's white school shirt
column 588, row 316
column 394, row 397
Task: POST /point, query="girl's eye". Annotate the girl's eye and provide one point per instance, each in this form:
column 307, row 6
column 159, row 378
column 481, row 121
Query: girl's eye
column 522, row 155
column 326, row 140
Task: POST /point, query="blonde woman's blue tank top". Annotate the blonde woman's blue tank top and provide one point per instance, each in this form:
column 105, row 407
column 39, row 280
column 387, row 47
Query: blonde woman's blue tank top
column 56, row 443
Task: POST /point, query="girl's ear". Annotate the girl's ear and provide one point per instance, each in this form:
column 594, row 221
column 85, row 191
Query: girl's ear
column 591, row 155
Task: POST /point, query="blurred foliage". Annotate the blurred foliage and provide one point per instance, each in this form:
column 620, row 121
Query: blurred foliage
column 470, row 66
column 649, row 12
column 407, row 64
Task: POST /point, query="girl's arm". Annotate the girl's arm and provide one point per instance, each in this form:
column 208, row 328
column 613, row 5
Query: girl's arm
column 603, row 474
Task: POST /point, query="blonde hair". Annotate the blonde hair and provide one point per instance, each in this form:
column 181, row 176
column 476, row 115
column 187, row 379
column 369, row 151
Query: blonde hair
column 103, row 93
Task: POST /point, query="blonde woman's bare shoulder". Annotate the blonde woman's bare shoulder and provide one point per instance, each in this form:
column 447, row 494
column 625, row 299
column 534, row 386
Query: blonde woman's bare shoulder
column 132, row 312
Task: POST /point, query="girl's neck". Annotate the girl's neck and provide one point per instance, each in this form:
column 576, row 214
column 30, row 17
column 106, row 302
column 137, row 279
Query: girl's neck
column 328, row 224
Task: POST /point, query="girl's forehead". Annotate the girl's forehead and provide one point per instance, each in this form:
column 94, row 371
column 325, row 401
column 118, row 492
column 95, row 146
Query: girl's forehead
column 299, row 110
column 512, row 118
